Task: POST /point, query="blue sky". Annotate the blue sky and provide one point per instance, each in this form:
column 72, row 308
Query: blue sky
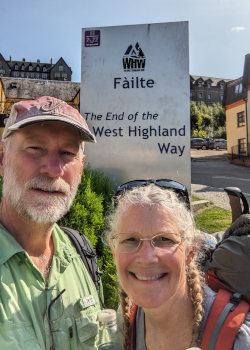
column 219, row 30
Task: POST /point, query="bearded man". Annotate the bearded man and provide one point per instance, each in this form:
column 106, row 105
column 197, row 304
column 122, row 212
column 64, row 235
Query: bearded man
column 47, row 298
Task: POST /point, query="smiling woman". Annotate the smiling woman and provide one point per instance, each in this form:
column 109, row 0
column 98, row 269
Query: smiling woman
column 153, row 238
column 156, row 247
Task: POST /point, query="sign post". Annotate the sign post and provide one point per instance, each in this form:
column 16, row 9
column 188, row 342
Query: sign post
column 135, row 98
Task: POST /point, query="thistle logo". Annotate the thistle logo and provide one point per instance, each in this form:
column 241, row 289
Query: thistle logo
column 134, row 59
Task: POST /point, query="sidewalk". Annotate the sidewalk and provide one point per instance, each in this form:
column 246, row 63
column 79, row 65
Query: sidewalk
column 216, row 195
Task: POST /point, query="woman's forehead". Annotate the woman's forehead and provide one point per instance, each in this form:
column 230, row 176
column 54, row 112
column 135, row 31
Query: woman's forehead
column 155, row 217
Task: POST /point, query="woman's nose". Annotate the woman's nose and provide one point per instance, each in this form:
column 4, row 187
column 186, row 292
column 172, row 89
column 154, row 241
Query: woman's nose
column 146, row 252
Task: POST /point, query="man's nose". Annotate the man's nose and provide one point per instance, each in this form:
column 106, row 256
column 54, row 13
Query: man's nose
column 52, row 165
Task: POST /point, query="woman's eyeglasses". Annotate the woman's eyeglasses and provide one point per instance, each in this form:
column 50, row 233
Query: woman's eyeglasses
column 180, row 189
column 129, row 243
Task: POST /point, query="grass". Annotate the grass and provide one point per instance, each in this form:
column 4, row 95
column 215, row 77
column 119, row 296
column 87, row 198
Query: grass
column 213, row 219
column 195, row 198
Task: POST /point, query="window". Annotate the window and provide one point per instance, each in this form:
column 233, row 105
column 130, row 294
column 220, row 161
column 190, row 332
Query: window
column 32, row 75
column 16, row 67
column 242, row 146
column 37, row 68
column 199, row 83
column 37, row 75
column 44, row 75
column 221, row 86
column 209, row 96
column 22, row 67
column 191, row 94
column 208, row 85
column 65, row 75
column 44, row 69
column 30, row 68
column 238, row 89
column 61, row 68
column 2, row 71
column 22, row 74
column 28, row 75
column 200, row 94
column 57, row 75
column 241, row 119
column 221, row 97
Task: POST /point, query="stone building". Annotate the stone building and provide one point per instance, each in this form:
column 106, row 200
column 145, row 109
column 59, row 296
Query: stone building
column 35, row 70
column 207, row 89
column 18, row 89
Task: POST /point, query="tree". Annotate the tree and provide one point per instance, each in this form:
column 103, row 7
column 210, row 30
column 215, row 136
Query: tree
column 207, row 120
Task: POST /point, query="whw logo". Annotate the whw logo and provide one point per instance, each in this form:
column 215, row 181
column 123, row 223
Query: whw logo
column 134, row 59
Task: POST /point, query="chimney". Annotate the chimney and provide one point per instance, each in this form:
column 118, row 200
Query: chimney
column 23, row 59
column 10, row 58
column 38, row 61
column 51, row 61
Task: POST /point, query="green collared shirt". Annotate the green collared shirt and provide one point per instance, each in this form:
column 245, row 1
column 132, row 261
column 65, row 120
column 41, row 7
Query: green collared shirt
column 25, row 299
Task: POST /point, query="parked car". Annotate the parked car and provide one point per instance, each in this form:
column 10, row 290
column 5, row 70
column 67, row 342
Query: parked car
column 220, row 144
column 201, row 142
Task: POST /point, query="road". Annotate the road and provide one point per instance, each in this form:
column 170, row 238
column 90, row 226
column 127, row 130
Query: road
column 213, row 168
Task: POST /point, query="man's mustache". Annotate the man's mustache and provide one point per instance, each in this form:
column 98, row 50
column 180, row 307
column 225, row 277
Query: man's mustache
column 49, row 185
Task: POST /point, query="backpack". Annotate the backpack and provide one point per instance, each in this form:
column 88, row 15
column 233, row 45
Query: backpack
column 87, row 254
column 227, row 271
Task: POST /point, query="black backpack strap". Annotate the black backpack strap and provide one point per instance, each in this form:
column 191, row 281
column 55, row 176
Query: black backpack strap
column 87, row 254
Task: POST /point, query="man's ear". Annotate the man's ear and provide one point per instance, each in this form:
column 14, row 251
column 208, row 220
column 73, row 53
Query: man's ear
column 83, row 160
column 1, row 158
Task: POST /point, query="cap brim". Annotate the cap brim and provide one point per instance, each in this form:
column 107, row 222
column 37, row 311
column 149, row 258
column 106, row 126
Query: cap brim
column 87, row 136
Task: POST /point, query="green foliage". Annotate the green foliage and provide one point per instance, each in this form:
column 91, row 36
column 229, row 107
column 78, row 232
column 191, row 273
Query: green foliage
column 200, row 133
column 207, row 119
column 109, row 280
column 88, row 214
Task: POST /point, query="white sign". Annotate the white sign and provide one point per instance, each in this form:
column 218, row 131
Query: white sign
column 135, row 98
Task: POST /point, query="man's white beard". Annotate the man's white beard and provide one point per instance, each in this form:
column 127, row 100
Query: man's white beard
column 40, row 208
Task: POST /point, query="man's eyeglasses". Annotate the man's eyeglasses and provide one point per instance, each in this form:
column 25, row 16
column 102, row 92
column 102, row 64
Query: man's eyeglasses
column 129, row 243
column 180, row 189
column 52, row 321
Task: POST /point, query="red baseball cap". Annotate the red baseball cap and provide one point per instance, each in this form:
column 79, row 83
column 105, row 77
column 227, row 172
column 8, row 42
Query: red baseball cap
column 46, row 109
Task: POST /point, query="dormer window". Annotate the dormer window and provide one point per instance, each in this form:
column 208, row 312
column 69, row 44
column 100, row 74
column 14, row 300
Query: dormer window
column 37, row 68
column 61, row 68
column 199, row 83
column 221, row 86
column 238, row 88
column 208, row 85
column 30, row 68
column 44, row 69
column 16, row 66
column 22, row 67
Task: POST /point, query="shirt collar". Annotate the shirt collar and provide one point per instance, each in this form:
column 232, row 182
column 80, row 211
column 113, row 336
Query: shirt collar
column 9, row 246
column 63, row 249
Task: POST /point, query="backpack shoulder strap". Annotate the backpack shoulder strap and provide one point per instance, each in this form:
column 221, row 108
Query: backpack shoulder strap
column 132, row 318
column 225, row 318
column 87, row 254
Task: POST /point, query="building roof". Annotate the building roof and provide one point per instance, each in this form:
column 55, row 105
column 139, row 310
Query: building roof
column 214, row 81
column 19, row 88
column 235, row 91
column 246, row 72
column 27, row 64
